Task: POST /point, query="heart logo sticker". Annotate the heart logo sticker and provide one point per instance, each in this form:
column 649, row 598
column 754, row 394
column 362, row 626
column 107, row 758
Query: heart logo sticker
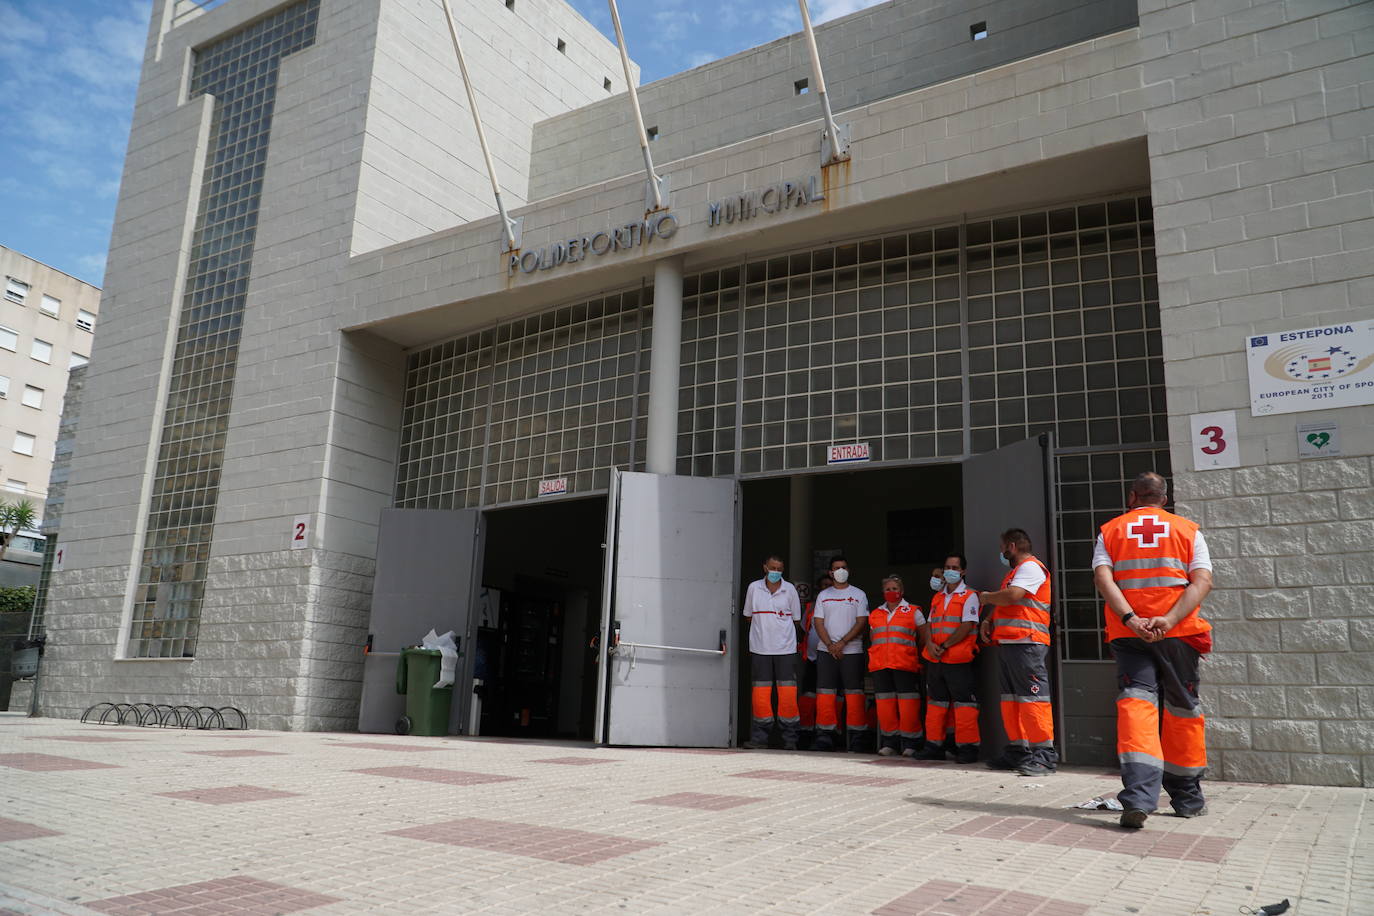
column 1318, row 439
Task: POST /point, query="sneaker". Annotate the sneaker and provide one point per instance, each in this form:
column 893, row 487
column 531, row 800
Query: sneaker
column 1134, row 818
column 1196, row 812
column 968, row 754
column 1034, row 768
column 909, row 753
column 886, row 751
column 932, row 752
column 1000, row 763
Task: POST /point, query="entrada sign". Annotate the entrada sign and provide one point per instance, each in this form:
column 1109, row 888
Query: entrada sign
column 773, row 199
column 617, row 238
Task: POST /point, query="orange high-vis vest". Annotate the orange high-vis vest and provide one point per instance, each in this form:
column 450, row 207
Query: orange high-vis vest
column 894, row 638
column 1027, row 618
column 1150, row 551
column 946, row 615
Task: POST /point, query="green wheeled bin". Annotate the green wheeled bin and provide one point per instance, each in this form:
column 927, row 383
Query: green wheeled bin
column 427, row 706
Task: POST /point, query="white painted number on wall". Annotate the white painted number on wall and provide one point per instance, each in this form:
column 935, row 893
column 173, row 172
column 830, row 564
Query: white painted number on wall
column 300, row 532
column 1215, row 444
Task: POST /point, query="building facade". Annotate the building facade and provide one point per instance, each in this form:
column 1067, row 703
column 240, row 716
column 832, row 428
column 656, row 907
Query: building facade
column 1059, row 224
column 47, row 328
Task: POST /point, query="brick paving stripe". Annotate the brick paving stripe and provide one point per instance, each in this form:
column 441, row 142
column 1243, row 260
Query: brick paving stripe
column 93, row 739
column 1106, row 837
column 553, row 844
column 239, row 752
column 379, row 746
column 574, row 761
column 432, row 774
column 239, row 895
column 822, row 778
column 940, row 898
column 11, row 830
column 701, row 801
column 229, row 795
column 47, row 763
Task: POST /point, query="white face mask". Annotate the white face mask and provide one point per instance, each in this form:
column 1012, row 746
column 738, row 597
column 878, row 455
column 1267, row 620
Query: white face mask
column 936, row 584
column 841, row 576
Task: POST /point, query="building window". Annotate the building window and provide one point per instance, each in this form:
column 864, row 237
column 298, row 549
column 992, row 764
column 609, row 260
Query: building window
column 510, row 4
column 33, row 397
column 50, row 305
column 978, row 31
column 77, row 361
column 85, row 320
column 606, row 84
column 16, row 486
column 9, row 338
column 801, row 87
column 23, row 443
column 41, row 351
column 16, row 290
column 653, row 134
column 562, row 46
column 4, row 387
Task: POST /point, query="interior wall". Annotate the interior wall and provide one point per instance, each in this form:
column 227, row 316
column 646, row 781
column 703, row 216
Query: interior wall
column 559, row 542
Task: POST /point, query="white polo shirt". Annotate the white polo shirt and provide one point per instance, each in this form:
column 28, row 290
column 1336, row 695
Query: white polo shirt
column 839, row 608
column 771, row 616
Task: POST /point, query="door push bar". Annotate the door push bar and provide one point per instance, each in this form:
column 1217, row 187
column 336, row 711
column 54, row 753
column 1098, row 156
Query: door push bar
column 617, row 644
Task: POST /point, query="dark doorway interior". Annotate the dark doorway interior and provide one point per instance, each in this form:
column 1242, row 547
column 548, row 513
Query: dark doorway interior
column 541, row 607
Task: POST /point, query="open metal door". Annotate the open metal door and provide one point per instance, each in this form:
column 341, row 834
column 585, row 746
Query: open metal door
column 428, row 564
column 1012, row 487
column 672, row 556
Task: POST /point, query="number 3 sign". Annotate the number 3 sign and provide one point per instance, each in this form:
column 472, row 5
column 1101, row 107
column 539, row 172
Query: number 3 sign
column 1215, row 444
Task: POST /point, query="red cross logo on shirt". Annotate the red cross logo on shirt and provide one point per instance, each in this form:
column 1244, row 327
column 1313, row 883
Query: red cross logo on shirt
column 1147, row 530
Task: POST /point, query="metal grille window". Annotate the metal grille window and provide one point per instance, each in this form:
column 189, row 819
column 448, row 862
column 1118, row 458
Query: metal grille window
column 708, row 395
column 553, row 395
column 240, row 72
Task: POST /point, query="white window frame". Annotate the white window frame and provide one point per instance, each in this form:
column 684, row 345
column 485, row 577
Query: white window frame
column 16, row 486
column 19, row 438
column 16, row 290
column 76, row 361
column 4, row 331
column 85, row 320
column 4, row 386
column 56, row 303
column 34, row 350
column 36, row 401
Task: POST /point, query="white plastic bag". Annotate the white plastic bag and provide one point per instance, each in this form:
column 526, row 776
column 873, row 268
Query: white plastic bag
column 448, row 649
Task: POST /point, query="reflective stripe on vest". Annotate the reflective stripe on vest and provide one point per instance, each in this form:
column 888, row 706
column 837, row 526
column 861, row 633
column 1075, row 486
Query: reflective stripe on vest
column 1150, row 551
column 946, row 616
column 1027, row 618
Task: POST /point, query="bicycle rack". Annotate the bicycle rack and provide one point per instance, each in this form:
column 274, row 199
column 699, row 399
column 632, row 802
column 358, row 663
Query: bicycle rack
column 165, row 715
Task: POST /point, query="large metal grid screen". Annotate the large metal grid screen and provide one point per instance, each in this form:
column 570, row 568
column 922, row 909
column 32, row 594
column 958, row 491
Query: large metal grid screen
column 240, row 72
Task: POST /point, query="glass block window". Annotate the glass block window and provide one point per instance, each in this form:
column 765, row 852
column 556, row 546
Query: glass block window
column 37, row 622
column 708, row 403
column 240, row 72
column 562, row 394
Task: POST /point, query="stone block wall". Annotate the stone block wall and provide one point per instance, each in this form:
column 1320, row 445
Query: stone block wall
column 1264, row 215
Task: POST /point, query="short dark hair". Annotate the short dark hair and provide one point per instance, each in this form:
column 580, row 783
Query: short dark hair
column 771, row 557
column 1150, row 487
column 963, row 560
column 838, row 558
column 1017, row 538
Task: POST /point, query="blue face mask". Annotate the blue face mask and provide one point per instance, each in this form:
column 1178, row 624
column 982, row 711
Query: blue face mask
column 774, row 576
column 1005, row 560
column 952, row 576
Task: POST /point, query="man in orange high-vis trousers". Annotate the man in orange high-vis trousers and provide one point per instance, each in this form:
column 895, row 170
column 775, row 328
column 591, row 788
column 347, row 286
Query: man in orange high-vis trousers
column 1020, row 625
column 950, row 648
column 897, row 632
column 774, row 611
column 1152, row 569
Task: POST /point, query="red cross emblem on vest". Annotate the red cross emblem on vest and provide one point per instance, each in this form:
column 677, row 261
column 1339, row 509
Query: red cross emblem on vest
column 1147, row 530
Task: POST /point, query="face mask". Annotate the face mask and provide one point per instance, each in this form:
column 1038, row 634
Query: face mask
column 952, row 576
column 1006, row 560
column 936, row 583
column 841, row 576
column 892, row 595
column 774, row 576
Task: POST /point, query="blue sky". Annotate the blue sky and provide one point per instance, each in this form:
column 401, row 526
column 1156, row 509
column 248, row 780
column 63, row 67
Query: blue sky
column 69, row 69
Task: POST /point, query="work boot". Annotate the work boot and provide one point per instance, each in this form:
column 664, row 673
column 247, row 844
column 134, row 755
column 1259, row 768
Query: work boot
column 1196, row 812
column 1134, row 818
column 1000, row 763
column 789, row 745
column 1034, row 768
column 968, row 753
column 932, row 752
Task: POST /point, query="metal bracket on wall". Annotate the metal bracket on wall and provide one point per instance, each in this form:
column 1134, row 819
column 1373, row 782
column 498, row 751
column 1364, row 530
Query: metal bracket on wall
column 514, row 236
column 653, row 201
column 836, row 150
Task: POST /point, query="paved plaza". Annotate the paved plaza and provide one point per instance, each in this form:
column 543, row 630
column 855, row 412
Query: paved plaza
column 123, row 820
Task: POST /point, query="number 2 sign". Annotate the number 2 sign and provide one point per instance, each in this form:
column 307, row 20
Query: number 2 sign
column 300, row 532
column 1215, row 443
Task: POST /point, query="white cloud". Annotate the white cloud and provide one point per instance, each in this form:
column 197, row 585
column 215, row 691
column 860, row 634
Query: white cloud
column 91, row 268
column 826, row 10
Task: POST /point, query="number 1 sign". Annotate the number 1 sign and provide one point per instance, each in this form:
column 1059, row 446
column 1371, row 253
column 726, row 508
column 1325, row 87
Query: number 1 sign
column 1215, row 443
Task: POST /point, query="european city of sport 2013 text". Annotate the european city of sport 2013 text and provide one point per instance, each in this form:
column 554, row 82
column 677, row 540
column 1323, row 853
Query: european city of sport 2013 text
column 735, row 208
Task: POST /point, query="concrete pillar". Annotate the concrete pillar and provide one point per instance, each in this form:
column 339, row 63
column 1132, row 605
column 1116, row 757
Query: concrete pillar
column 664, row 364
column 799, row 530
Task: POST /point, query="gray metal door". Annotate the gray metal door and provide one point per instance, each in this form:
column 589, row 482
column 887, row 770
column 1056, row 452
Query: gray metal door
column 671, row 571
column 428, row 564
column 1012, row 487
